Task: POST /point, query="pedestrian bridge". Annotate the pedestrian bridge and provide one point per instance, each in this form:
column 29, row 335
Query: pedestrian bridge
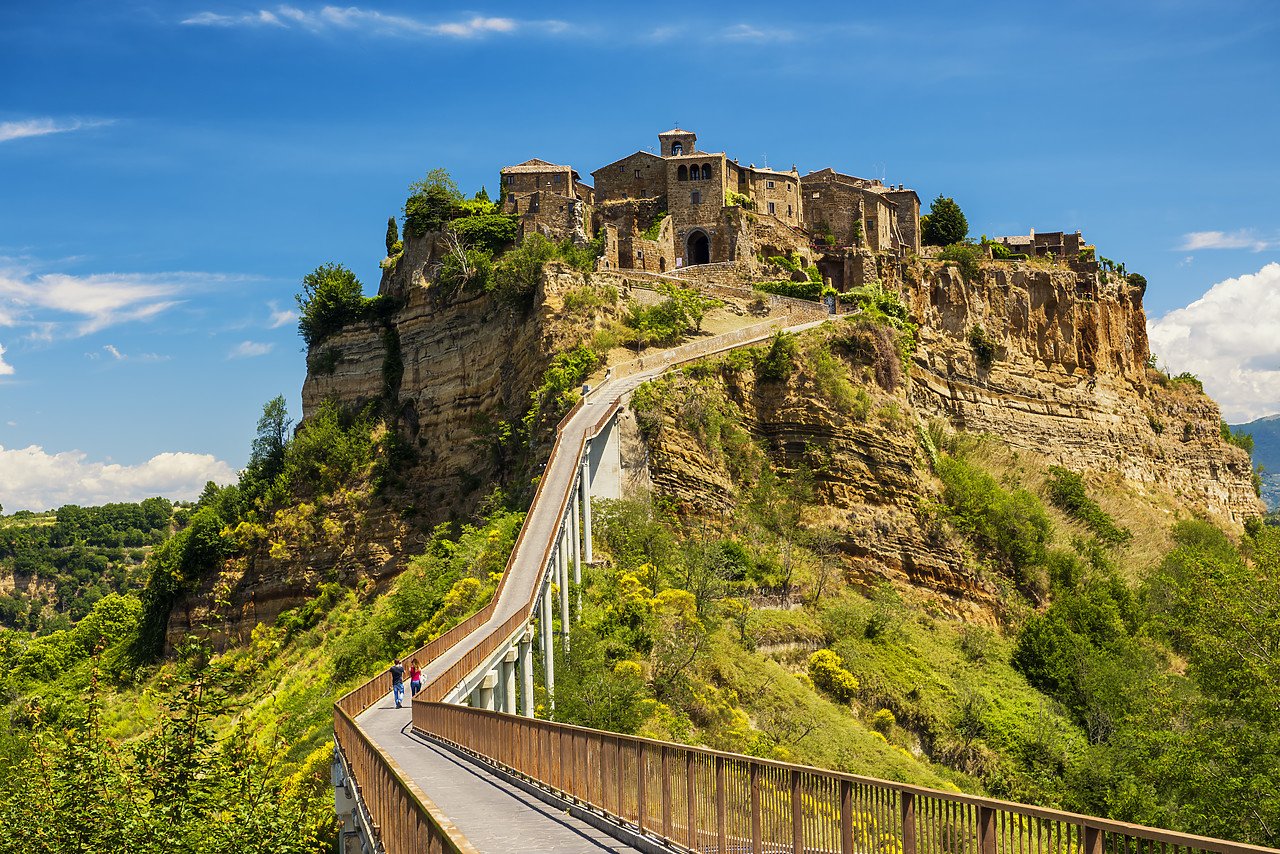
column 468, row 768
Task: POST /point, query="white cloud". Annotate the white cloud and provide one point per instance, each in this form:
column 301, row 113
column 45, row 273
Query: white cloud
column 745, row 32
column 1230, row 339
column 1243, row 239
column 112, row 350
column 42, row 127
column 280, row 317
column 247, row 349
column 31, row 479
column 79, row 305
column 5, row 369
column 355, row 19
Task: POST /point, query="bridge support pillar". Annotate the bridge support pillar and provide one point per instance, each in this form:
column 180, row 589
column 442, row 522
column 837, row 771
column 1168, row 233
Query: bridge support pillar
column 485, row 691
column 526, row 673
column 549, row 645
column 507, row 682
column 575, row 535
column 586, row 507
column 562, row 563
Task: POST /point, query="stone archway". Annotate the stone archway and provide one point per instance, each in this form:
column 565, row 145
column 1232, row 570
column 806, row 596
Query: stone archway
column 697, row 249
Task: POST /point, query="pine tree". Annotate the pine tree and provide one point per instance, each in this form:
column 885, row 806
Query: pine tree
column 944, row 224
column 393, row 236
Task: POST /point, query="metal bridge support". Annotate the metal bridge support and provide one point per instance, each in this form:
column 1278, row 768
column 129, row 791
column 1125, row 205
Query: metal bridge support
column 526, row 673
column 507, row 682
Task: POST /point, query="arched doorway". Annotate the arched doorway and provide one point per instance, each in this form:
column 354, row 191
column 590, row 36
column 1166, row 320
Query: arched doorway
column 697, row 250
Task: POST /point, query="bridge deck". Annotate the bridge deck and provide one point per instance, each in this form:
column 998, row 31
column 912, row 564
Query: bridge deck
column 495, row 816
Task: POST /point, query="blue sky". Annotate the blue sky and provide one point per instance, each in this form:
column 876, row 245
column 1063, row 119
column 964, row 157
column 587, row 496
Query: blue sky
column 169, row 171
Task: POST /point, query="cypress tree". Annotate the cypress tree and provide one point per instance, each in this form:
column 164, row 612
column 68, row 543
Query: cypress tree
column 944, row 224
column 393, row 236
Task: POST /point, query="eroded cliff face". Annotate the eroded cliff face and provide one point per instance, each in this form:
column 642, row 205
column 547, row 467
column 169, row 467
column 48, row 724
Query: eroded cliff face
column 442, row 370
column 1069, row 380
column 870, row 479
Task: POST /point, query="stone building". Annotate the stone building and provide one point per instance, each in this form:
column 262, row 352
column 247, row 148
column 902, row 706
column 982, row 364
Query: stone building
column 547, row 199
column 861, row 212
column 1056, row 243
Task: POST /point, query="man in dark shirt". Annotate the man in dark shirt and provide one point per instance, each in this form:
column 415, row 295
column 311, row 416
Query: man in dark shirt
column 397, row 681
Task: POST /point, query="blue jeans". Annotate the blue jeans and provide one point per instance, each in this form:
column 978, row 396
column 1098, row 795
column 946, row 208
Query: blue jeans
column 397, row 688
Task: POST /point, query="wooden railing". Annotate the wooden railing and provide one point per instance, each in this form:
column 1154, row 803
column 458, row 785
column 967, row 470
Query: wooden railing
column 708, row 801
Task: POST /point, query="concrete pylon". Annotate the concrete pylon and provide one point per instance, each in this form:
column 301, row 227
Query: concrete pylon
column 575, row 535
column 526, row 673
column 586, row 507
column 507, row 682
column 548, row 645
column 562, row 563
column 485, row 691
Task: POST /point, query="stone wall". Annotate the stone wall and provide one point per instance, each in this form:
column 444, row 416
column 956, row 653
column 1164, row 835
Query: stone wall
column 555, row 179
column 908, row 214
column 619, row 180
column 549, row 214
column 784, row 195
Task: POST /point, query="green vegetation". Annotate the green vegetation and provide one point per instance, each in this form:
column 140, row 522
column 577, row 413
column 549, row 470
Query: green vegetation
column 332, row 297
column 655, row 226
column 1067, row 490
column 808, row 289
column 944, row 224
column 430, row 203
column 739, row 200
column 984, row 348
column 393, row 237
column 964, row 256
column 663, row 324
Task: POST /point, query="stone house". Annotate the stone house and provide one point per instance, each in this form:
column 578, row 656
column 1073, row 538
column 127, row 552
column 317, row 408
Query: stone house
column 546, row 198
column 861, row 212
column 1059, row 244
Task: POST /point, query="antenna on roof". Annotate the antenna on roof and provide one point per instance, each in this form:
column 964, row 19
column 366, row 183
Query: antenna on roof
column 766, row 159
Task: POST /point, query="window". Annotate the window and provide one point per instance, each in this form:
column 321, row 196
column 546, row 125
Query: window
column 817, row 195
column 637, row 173
column 771, row 210
column 788, row 210
column 706, row 171
column 695, row 198
column 768, row 185
column 557, row 178
column 624, row 195
column 511, row 179
column 682, row 174
column 677, row 149
column 622, row 168
column 788, row 186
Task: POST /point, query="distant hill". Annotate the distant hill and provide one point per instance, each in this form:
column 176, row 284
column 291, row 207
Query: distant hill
column 1266, row 453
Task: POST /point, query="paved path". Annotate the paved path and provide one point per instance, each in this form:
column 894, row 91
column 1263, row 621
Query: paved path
column 494, row 816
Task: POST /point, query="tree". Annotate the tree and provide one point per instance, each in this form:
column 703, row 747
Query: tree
column 331, row 295
column 393, row 236
column 266, row 459
column 430, row 201
column 944, row 224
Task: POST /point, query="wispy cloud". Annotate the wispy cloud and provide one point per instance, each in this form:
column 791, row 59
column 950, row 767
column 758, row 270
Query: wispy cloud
column 5, row 368
column 31, row 479
column 66, row 305
column 280, row 316
column 746, row 32
column 42, row 127
column 372, row 22
column 115, row 353
column 1243, row 239
column 1230, row 339
column 249, row 349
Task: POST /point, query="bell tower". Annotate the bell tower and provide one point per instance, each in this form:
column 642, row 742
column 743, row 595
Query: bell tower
column 676, row 142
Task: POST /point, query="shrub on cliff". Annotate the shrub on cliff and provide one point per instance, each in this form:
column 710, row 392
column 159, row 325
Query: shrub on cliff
column 944, row 224
column 430, row 202
column 331, row 296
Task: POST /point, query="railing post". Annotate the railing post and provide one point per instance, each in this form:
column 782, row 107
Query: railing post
column 721, row 806
column 846, row 817
column 586, row 501
column 562, row 561
column 577, row 544
column 797, row 814
column 526, row 673
column 641, row 779
column 907, row 803
column 666, row 795
column 548, row 647
column 757, row 831
column 1093, row 840
column 691, row 796
column 986, row 830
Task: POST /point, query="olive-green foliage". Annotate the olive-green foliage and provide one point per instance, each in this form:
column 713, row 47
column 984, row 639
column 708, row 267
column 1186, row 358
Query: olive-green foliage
column 71, row 789
column 831, row 376
column 790, row 262
column 332, row 297
column 655, row 226
column 331, row 447
column 808, row 289
column 393, row 236
column 775, row 363
column 740, row 200
column 1239, row 438
column 1067, row 490
column 984, row 349
column 1013, row 524
column 945, row 223
column 964, row 256
column 594, row 690
column 490, row 231
column 827, row 671
column 680, row 312
column 561, row 381
column 430, row 203
column 515, row 276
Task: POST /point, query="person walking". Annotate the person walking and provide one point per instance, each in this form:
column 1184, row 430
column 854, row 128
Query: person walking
column 415, row 677
column 397, row 681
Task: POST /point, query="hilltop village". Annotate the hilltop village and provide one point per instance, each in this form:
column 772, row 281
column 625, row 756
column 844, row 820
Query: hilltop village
column 685, row 207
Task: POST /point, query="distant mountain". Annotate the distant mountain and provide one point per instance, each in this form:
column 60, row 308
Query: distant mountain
column 1266, row 453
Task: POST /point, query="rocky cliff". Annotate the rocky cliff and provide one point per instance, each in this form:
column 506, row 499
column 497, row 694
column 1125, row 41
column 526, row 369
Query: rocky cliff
column 1069, row 379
